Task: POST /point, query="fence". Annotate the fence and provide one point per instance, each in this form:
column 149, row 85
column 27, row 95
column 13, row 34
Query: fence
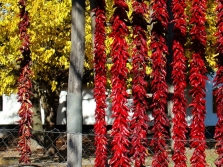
column 49, row 149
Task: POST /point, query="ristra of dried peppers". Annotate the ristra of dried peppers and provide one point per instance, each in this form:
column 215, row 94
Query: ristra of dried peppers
column 179, row 82
column 218, row 81
column 139, row 122
column 100, row 85
column 197, row 80
column 24, row 87
column 158, row 85
column 119, row 53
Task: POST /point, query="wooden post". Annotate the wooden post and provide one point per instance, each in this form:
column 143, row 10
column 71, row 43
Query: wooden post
column 92, row 7
column 74, row 96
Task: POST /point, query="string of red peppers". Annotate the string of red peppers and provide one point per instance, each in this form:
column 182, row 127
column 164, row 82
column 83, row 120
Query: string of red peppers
column 159, row 86
column 119, row 52
column 197, row 81
column 218, row 80
column 139, row 122
column 100, row 85
column 24, row 88
column 179, row 81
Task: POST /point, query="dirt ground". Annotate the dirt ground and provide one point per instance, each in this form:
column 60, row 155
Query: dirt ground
column 9, row 156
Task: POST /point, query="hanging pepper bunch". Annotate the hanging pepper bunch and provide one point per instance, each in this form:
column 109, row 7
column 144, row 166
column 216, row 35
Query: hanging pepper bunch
column 119, row 71
column 219, row 101
column 197, row 81
column 100, row 85
column 159, row 87
column 179, row 81
column 218, row 80
column 139, row 122
column 24, row 87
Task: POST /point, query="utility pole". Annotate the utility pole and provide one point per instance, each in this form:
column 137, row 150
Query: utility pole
column 74, row 95
column 92, row 7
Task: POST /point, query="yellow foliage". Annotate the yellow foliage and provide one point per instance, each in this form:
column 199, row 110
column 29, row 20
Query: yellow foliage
column 211, row 30
column 88, row 38
column 49, row 31
column 9, row 45
column 53, row 85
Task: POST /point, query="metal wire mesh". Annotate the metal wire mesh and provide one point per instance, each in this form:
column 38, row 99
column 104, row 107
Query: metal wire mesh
column 49, row 148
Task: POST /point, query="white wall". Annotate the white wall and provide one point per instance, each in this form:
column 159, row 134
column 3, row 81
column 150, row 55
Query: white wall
column 89, row 107
column 11, row 107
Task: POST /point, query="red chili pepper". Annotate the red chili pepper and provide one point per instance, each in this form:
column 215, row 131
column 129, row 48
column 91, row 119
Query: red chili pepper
column 139, row 122
column 100, row 85
column 197, row 81
column 218, row 81
column 179, row 81
column 158, row 85
column 24, row 88
column 119, row 71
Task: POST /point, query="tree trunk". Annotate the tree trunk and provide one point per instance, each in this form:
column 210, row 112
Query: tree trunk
column 37, row 122
column 74, row 96
column 50, row 102
column 37, row 127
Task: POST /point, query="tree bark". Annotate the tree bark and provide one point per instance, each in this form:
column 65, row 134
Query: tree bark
column 37, row 127
column 92, row 6
column 50, row 102
column 74, row 96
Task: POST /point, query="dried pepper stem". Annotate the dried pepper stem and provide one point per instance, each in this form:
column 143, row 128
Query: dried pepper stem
column 139, row 122
column 100, row 85
column 197, row 81
column 218, row 80
column 179, row 81
column 119, row 71
column 24, row 87
column 159, row 86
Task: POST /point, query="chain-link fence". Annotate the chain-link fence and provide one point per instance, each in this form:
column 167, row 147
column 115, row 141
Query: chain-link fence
column 50, row 149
